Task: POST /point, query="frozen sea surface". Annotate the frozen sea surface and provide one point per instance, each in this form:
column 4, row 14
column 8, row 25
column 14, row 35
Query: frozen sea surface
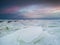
column 35, row 32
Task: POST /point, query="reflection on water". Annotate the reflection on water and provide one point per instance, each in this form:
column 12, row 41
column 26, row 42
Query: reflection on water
column 30, row 32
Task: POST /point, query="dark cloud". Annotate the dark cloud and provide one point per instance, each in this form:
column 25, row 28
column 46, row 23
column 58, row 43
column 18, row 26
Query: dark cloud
column 7, row 3
column 4, row 4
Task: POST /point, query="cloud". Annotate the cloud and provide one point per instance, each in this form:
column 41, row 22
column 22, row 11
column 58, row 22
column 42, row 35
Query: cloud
column 36, row 11
column 11, row 9
column 33, row 11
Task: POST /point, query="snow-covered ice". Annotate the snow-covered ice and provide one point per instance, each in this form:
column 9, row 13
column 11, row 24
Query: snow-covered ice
column 32, row 35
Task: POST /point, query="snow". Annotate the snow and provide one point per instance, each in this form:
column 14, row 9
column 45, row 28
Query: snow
column 31, row 34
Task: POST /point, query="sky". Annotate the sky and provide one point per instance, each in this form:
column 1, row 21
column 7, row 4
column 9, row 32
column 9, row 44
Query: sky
column 29, row 9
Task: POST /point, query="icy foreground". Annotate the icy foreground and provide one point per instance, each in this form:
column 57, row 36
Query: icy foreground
column 32, row 35
column 30, row 32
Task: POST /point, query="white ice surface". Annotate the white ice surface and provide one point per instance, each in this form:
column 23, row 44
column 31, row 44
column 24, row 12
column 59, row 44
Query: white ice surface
column 29, row 34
